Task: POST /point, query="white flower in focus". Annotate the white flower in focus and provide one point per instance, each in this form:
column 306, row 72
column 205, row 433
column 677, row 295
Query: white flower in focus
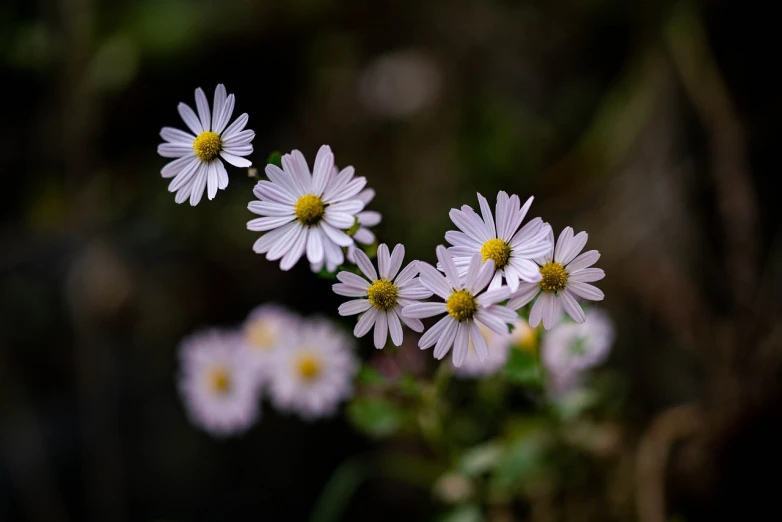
column 564, row 277
column 314, row 372
column 383, row 295
column 570, row 348
column 264, row 333
column 306, row 213
column 366, row 219
column 499, row 238
column 197, row 165
column 466, row 305
column 218, row 387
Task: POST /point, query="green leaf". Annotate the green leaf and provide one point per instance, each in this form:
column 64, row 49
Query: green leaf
column 523, row 460
column 375, row 416
column 371, row 376
column 523, row 367
column 480, row 459
column 275, row 158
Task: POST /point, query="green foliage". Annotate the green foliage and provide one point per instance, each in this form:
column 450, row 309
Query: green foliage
column 376, row 416
column 275, row 158
column 524, row 368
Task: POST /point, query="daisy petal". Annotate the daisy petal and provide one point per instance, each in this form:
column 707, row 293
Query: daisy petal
column 190, row 118
column 587, row 275
column 584, row 260
column 563, row 243
column 461, row 343
column 525, row 294
column 354, row 307
column 423, row 310
column 365, row 265
column 479, row 342
column 434, row 280
column 408, row 274
column 493, row 296
column 203, row 109
column 365, row 322
column 353, row 280
column 434, row 333
column 571, row 306
column 347, row 290
column 236, row 161
column 586, row 291
column 381, row 330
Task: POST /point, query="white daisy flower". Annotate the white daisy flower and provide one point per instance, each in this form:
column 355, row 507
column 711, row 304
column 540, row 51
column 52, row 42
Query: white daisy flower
column 366, row 219
column 511, row 249
column 570, row 349
column 306, row 212
column 466, row 304
column 563, row 278
column 219, row 389
column 264, row 333
column 383, row 296
column 197, row 165
column 315, row 371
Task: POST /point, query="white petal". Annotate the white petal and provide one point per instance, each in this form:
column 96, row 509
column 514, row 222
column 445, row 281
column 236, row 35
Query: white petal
column 315, row 246
column 434, row 333
column 236, row 161
column 295, row 252
column 501, row 211
column 571, row 306
column 343, row 289
column 381, row 330
column 339, row 219
column 423, row 310
column 397, row 256
column 239, row 139
column 383, row 261
column 266, row 241
column 492, row 320
column 536, row 313
column 552, row 312
column 369, row 218
column 321, row 172
column 525, row 294
column 461, row 239
column 485, row 275
column 172, row 135
column 218, row 106
column 478, row 342
column 337, row 236
column 354, row 307
column 395, row 328
column 350, row 191
column 268, row 223
column 574, row 248
column 365, row 265
column 228, row 110
column 461, row 343
column 563, row 243
column 175, row 150
column 353, row 280
column 236, row 126
column 449, row 267
column 493, row 296
column 267, row 190
column 586, row 275
column 211, row 180
column 586, row 291
column 584, row 260
column 445, row 342
column 415, row 292
column 222, row 175
column 408, row 274
column 190, row 118
column 434, row 280
column 270, row 208
column 199, row 184
column 337, row 183
column 297, row 164
column 284, row 180
column 203, row 109
column 281, row 247
column 365, row 322
column 172, row 168
column 414, row 324
column 468, row 225
column 488, row 219
column 184, row 176
column 528, row 270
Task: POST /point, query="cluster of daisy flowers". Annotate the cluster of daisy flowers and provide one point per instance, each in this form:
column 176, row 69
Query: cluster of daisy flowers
column 304, row 366
column 494, row 263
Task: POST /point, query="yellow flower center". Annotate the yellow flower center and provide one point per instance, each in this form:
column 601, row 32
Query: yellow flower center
column 261, row 334
column 461, row 305
column 207, row 145
column 309, row 209
column 554, row 277
column 309, row 366
column 220, row 380
column 497, row 250
column 382, row 294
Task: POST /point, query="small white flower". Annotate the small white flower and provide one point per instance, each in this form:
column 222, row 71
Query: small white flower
column 511, row 249
column 315, row 371
column 306, row 212
column 564, row 277
column 218, row 387
column 264, row 333
column 366, row 219
column 570, row 349
column 466, row 304
column 198, row 165
column 385, row 296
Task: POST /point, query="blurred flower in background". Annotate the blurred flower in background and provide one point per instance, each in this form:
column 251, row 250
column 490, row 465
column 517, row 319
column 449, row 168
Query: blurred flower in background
column 218, row 387
column 265, row 332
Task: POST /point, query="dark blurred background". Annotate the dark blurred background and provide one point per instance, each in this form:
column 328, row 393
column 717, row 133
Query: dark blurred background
column 651, row 124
